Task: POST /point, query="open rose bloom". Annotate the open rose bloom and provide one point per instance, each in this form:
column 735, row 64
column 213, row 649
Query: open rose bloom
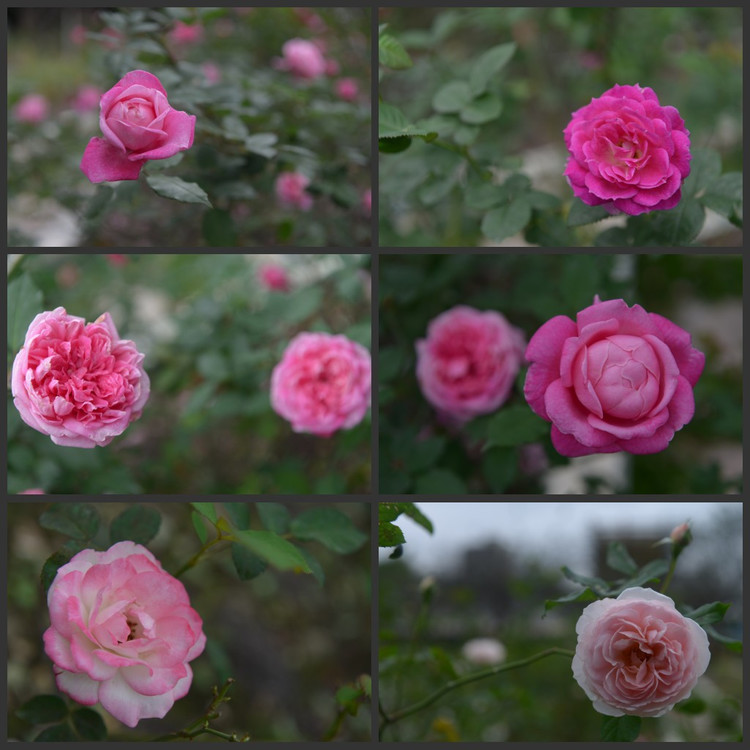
column 627, row 152
column 78, row 382
column 122, row 633
column 637, row 654
column 468, row 362
column 322, row 383
column 138, row 124
column 615, row 379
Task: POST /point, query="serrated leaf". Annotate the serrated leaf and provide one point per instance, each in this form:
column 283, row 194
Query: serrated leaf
column 416, row 515
column 391, row 53
column 394, row 145
column 239, row 514
column 274, row 517
column 55, row 561
column 481, row 110
column 89, row 725
column 582, row 595
column 273, row 549
column 24, row 303
column 515, row 425
column 731, row 643
column 330, row 527
column 649, row 572
column 247, row 564
column 581, row 213
column 677, row 226
column 139, row 524
column 506, row 221
column 705, row 167
column 43, row 709
column 77, row 520
column 488, row 65
column 596, row 584
column 389, row 535
column 709, row 613
column 452, row 97
column 177, row 189
column 621, row 728
column 724, row 195
column 619, row 559
column 393, row 123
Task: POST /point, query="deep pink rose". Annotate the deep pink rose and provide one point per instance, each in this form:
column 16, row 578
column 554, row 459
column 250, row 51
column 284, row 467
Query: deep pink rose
column 467, row 363
column 616, row 379
column 303, row 59
column 627, row 152
column 637, row 654
column 122, row 633
column 322, row 383
column 274, row 277
column 347, row 89
column 291, row 190
column 78, row 382
column 31, row 108
column 138, row 124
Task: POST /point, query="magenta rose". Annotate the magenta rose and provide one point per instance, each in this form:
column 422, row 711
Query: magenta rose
column 122, row 633
column 322, row 383
column 637, row 654
column 78, row 382
column 468, row 362
column 627, row 152
column 616, row 379
column 138, row 124
column 273, row 277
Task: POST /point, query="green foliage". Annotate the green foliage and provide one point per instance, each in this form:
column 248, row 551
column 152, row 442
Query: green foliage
column 43, row 709
column 80, row 521
column 139, row 524
column 87, row 724
column 621, row 728
column 390, row 535
column 177, row 189
column 24, row 303
column 331, row 528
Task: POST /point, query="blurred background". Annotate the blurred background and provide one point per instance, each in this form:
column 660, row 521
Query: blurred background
column 254, row 121
column 212, row 328
column 486, row 572
column 289, row 642
column 418, row 454
column 691, row 58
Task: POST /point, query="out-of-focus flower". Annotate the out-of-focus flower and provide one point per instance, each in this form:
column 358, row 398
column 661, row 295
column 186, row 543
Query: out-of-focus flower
column 303, row 59
column 273, row 276
column 77, row 35
column 87, row 98
column 212, row 72
column 186, row 33
column 31, row 108
column 484, row 651
column 291, row 190
column 347, row 89
column 367, row 201
column 332, row 67
column 34, row 491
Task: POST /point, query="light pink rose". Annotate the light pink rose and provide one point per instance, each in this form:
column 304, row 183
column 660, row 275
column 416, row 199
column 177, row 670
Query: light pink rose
column 31, row 108
column 274, row 277
column 303, row 59
column 367, row 201
column 467, row 363
column 86, row 98
column 627, row 152
column 681, row 534
column 347, row 89
column 322, row 383
column 185, row 33
column 138, row 124
column 616, row 379
column 78, row 383
column 291, row 190
column 637, row 654
column 122, row 633
column 484, row 651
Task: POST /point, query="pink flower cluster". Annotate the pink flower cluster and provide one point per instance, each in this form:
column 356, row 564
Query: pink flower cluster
column 291, row 190
column 32, row 109
column 274, row 277
column 303, row 59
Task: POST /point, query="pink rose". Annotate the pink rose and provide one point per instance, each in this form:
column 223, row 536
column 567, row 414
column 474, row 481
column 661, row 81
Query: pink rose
column 637, row 654
column 184, row 33
column 273, row 277
column 86, row 98
column 467, row 363
column 618, row 379
column 347, row 89
column 628, row 153
column 138, row 124
column 212, row 72
column 291, row 190
column 322, row 383
column 367, row 201
column 78, row 382
column 681, row 533
column 31, row 108
column 122, row 633
column 303, row 59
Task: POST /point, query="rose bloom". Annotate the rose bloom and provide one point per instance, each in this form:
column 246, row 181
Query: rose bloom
column 616, row 379
column 467, row 363
column 274, row 277
column 86, row 98
column 78, row 382
column 138, row 124
column 637, row 654
column 184, row 33
column 291, row 190
column 347, row 89
column 122, row 632
column 303, row 59
column 627, row 152
column 31, row 108
column 212, row 72
column 322, row 383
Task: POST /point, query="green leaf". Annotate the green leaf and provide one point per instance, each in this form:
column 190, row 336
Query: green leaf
column 541, row 200
column 488, row 65
column 42, row 709
column 581, row 213
column 239, row 514
column 731, row 643
column 24, row 303
column 391, row 53
column 274, row 517
column 200, row 526
column 273, row 549
column 505, row 221
column 708, row 613
column 705, row 167
column 76, row 520
column 206, row 509
column 411, row 510
column 621, row 728
column 330, row 527
column 440, row 482
column 262, row 144
column 596, row 584
column 56, row 733
column 218, row 228
column 484, row 108
column 619, row 559
column 139, row 524
column 724, row 195
column 315, row 566
column 433, row 192
column 649, row 572
column 452, row 97
column 392, row 123
column 247, row 564
column 389, row 535
column 89, row 725
column 500, row 467
column 396, row 145
column 582, row 595
column 677, row 226
column 177, row 189
column 55, row 561
column 465, row 135
column 515, row 425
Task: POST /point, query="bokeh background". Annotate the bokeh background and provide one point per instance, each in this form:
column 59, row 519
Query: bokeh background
column 289, row 642
column 418, row 454
column 691, row 57
column 212, row 333
column 253, row 122
column 486, row 572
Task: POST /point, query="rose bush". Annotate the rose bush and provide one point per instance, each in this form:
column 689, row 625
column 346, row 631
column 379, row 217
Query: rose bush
column 122, row 632
column 138, row 124
column 637, row 654
column 467, row 363
column 78, row 382
column 291, row 190
column 616, row 379
column 322, row 383
column 628, row 153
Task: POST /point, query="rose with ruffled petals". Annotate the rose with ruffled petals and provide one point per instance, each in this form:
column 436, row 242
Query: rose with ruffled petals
column 78, row 382
column 122, row 632
column 138, row 124
column 627, row 152
column 616, row 379
column 637, row 655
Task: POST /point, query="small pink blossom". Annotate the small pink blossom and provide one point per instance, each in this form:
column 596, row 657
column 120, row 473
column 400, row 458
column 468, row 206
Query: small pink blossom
column 34, row 491
column 681, row 534
column 78, row 35
column 212, row 72
column 311, row 20
column 184, row 33
column 87, row 98
column 32, row 109
column 347, row 89
column 274, row 277
column 367, row 201
column 118, row 260
column 291, row 190
column 303, row 59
